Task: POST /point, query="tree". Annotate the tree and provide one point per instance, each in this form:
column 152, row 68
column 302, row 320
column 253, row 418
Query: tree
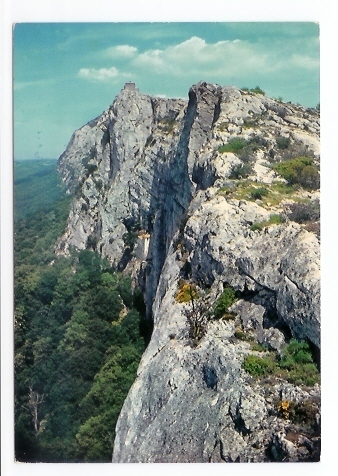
column 102, row 404
column 33, row 404
column 197, row 315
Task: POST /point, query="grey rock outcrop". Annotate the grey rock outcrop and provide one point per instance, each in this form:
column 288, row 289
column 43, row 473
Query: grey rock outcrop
column 153, row 193
column 197, row 404
column 287, row 276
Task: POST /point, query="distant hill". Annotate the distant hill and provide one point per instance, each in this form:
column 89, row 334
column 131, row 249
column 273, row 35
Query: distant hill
column 36, row 186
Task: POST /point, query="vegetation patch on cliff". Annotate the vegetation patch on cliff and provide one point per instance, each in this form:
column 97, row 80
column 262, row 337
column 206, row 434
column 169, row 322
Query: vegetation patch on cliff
column 234, row 145
column 167, row 125
column 271, row 195
column 187, row 292
column 295, row 365
column 304, row 212
column 301, row 171
column 275, row 219
column 226, row 299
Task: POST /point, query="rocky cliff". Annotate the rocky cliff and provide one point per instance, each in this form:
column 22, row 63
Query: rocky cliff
column 191, row 193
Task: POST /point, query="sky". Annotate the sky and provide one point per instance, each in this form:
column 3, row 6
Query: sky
column 66, row 74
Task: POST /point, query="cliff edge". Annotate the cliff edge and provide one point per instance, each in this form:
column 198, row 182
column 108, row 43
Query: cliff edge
column 193, row 199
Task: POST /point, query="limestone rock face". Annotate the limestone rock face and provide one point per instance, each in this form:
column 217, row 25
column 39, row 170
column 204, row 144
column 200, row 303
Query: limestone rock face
column 156, row 195
column 219, row 232
column 197, row 404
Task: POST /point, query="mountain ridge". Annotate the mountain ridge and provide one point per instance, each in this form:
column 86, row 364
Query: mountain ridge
column 170, row 191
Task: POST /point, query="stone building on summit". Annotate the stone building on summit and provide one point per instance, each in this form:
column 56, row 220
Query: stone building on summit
column 130, row 87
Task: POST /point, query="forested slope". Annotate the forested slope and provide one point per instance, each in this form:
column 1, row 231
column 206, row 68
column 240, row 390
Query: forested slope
column 79, row 335
column 37, row 184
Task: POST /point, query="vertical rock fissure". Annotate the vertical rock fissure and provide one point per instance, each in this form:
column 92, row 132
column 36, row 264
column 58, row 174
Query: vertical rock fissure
column 217, row 110
column 114, row 163
column 170, row 198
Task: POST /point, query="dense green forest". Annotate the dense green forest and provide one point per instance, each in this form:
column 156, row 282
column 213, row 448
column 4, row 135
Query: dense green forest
column 36, row 184
column 79, row 335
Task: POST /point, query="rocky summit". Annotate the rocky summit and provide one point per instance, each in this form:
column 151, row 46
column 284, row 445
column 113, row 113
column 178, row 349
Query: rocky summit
column 212, row 206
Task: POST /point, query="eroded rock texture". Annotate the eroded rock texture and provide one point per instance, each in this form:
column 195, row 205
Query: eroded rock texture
column 153, row 195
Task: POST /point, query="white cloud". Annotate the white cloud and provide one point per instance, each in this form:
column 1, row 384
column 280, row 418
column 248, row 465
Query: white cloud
column 121, row 51
column 102, row 74
column 227, row 61
column 306, row 62
column 196, row 55
column 226, row 58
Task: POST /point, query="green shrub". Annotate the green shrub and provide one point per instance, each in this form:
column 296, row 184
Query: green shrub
column 258, row 193
column 304, row 374
column 282, row 142
column 247, row 153
column 304, row 212
column 234, row 145
column 225, row 190
column 301, row 171
column 256, row 90
column 241, row 335
column 244, row 149
column 304, row 413
column 257, row 226
column 91, row 242
column 309, row 177
column 250, row 124
column 167, row 125
column 240, row 171
column 296, row 365
column 90, row 169
column 259, row 366
column 197, row 313
column 226, row 299
column 275, row 192
column 274, row 219
column 257, row 142
column 296, row 351
column 283, row 188
column 130, row 239
column 259, row 347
